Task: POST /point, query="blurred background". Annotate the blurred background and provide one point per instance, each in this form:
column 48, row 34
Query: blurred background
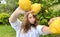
column 50, row 9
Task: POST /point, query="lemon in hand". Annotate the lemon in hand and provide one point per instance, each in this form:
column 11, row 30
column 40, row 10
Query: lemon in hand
column 25, row 4
column 36, row 8
column 55, row 26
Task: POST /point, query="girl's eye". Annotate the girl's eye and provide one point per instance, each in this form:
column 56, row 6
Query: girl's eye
column 30, row 17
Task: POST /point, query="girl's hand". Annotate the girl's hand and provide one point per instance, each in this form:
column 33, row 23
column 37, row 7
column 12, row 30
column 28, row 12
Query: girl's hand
column 20, row 11
column 51, row 20
column 30, row 11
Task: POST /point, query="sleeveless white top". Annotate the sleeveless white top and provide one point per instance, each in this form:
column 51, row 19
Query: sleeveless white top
column 31, row 33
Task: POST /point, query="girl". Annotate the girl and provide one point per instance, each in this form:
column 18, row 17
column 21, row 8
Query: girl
column 29, row 26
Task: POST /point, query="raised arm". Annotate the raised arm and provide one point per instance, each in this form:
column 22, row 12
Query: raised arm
column 16, row 14
column 46, row 29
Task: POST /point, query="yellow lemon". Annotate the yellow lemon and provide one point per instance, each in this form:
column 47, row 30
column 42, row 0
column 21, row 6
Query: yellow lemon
column 36, row 8
column 25, row 4
column 55, row 26
column 46, row 11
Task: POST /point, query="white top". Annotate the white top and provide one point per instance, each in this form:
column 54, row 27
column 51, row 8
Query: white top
column 31, row 33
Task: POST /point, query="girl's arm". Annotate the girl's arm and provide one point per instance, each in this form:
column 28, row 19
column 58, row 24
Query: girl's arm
column 16, row 14
column 46, row 29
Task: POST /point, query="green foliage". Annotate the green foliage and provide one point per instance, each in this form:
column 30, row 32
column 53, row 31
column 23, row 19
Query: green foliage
column 4, row 18
column 6, row 9
column 9, row 7
column 7, row 31
column 50, row 9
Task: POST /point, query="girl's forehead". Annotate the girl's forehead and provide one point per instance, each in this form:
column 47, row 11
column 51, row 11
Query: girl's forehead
column 30, row 15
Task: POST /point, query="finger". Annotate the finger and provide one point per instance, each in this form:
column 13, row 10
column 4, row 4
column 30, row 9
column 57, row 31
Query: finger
column 57, row 17
column 51, row 20
column 31, row 11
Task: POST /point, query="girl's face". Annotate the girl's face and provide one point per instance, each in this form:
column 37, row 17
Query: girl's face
column 31, row 18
